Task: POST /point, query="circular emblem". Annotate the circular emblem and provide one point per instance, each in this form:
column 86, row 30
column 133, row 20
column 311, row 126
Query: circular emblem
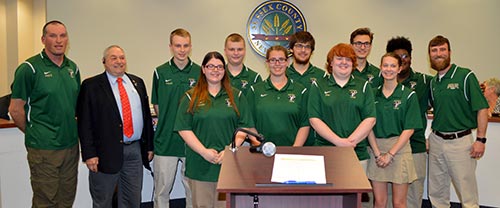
column 272, row 23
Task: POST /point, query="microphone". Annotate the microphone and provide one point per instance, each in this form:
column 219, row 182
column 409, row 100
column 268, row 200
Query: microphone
column 267, row 148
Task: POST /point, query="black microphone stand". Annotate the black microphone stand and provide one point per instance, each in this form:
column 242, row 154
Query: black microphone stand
column 259, row 137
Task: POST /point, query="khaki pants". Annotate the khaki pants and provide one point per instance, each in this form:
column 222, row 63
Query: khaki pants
column 416, row 188
column 53, row 176
column 449, row 161
column 165, row 169
column 205, row 194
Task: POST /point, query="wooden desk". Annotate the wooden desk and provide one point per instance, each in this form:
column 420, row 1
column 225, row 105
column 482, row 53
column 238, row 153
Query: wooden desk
column 6, row 123
column 242, row 170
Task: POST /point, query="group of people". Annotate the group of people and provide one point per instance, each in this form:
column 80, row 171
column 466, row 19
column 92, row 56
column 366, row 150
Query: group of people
column 379, row 112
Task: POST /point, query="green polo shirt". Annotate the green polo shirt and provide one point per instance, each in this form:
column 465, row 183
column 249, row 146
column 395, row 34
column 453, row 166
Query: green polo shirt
column 398, row 112
column 419, row 83
column 279, row 114
column 169, row 85
column 50, row 93
column 342, row 109
column 214, row 125
column 370, row 73
column 456, row 98
column 245, row 79
column 312, row 75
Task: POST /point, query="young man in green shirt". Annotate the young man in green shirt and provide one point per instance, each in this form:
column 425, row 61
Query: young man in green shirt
column 459, row 106
column 302, row 46
column 361, row 41
column 419, row 83
column 170, row 81
column 242, row 77
column 44, row 95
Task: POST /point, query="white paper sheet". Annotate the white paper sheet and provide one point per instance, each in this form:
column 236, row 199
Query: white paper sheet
column 301, row 169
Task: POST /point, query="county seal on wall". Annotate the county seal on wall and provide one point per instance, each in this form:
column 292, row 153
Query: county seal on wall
column 272, row 23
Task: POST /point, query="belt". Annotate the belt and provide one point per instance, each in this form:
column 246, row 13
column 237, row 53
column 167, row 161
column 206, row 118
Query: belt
column 454, row 135
column 129, row 142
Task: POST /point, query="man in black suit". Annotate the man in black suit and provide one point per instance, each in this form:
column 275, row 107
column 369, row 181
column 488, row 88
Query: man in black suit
column 116, row 133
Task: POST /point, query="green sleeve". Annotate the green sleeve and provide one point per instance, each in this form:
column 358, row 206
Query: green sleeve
column 474, row 93
column 250, row 96
column 369, row 104
column 303, row 109
column 314, row 102
column 183, row 119
column 23, row 82
column 412, row 119
column 245, row 119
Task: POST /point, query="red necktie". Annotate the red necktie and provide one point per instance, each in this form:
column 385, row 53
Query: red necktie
column 128, row 128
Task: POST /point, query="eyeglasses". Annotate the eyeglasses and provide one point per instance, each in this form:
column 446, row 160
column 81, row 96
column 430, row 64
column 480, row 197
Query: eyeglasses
column 214, row 67
column 302, row 46
column 404, row 56
column 359, row 44
column 278, row 60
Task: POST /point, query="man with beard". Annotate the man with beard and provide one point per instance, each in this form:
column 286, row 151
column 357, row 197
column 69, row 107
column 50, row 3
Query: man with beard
column 301, row 70
column 361, row 41
column 242, row 77
column 459, row 106
column 419, row 83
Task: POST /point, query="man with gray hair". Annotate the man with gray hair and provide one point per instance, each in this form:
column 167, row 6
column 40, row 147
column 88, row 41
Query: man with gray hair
column 116, row 132
column 492, row 94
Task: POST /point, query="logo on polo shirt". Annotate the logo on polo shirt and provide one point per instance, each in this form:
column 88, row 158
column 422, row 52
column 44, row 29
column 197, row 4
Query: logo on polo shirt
column 228, row 103
column 370, row 77
column 71, row 73
column 396, row 104
column 168, row 82
column 47, row 74
column 313, row 80
column 291, row 98
column 263, row 95
column 353, row 93
column 413, row 84
column 244, row 84
column 327, row 93
column 192, row 81
column 453, row 86
column 272, row 23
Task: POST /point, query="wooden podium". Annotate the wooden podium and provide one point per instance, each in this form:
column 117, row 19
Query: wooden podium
column 242, row 171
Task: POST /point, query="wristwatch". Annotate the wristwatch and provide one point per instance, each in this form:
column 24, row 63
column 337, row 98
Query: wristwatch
column 482, row 140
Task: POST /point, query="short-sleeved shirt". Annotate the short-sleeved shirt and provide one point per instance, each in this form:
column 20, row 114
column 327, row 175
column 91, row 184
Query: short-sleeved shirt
column 279, row 114
column 312, row 75
column 419, row 83
column 370, row 73
column 342, row 109
column 245, row 79
column 214, row 125
column 456, row 98
column 50, row 92
column 169, row 85
column 400, row 111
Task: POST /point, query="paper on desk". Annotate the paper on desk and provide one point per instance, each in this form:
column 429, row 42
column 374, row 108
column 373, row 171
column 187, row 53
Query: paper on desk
column 294, row 167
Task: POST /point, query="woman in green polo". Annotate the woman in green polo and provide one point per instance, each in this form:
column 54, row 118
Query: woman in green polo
column 397, row 116
column 278, row 104
column 207, row 117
